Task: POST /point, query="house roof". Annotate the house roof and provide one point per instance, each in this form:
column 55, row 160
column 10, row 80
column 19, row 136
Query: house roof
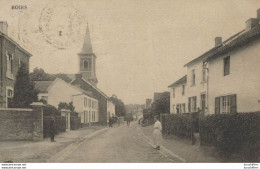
column 179, row 82
column 42, row 86
column 239, row 39
column 16, row 44
column 94, row 87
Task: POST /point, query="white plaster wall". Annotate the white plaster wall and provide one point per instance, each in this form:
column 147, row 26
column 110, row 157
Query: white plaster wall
column 61, row 92
column 179, row 98
column 199, row 87
column 243, row 80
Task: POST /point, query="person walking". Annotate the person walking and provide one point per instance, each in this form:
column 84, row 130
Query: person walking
column 128, row 122
column 118, row 121
column 52, row 128
column 157, row 133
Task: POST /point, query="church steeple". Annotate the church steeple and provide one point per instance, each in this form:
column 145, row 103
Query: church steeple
column 87, row 46
column 87, row 60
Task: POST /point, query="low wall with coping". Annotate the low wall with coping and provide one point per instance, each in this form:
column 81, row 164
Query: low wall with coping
column 21, row 124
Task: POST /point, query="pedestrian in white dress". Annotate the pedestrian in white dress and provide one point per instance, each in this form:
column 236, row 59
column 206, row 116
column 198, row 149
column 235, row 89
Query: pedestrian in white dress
column 157, row 133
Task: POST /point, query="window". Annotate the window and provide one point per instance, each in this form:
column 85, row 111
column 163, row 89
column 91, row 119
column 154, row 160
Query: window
column 173, row 92
column 193, row 77
column 178, row 108
column 204, row 73
column 173, row 108
column 89, row 103
column 85, row 64
column 9, row 96
column 192, row 105
column 225, row 104
column 183, row 90
column 203, row 102
column 227, row 66
column 9, row 66
column 183, row 108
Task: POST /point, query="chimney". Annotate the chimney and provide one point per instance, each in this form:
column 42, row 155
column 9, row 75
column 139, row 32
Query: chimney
column 258, row 14
column 218, row 41
column 250, row 23
column 78, row 76
column 3, row 27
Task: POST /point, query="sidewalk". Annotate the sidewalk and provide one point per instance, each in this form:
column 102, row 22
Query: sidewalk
column 41, row 151
column 183, row 148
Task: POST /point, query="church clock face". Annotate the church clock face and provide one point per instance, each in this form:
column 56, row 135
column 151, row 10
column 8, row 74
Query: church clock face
column 60, row 24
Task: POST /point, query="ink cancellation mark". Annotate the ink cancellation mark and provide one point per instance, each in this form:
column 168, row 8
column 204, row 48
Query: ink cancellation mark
column 60, row 24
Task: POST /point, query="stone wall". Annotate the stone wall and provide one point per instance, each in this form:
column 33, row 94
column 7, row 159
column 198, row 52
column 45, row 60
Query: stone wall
column 21, row 124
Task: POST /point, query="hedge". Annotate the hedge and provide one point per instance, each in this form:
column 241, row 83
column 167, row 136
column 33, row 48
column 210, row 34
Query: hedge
column 237, row 133
column 181, row 125
column 60, row 124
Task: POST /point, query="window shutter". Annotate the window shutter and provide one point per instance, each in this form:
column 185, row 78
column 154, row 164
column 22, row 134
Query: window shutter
column 233, row 104
column 189, row 105
column 217, row 105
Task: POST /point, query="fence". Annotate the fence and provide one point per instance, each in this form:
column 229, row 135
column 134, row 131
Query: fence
column 237, row 133
column 60, row 125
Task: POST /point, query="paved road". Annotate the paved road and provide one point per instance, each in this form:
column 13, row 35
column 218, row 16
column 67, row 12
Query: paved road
column 117, row 144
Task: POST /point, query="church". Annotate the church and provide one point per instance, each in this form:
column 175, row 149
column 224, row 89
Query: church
column 86, row 79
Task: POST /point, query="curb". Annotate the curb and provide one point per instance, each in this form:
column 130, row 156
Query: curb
column 60, row 156
column 164, row 151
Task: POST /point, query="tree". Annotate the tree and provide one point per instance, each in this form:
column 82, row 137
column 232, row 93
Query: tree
column 24, row 91
column 161, row 105
column 64, row 105
column 39, row 74
column 119, row 106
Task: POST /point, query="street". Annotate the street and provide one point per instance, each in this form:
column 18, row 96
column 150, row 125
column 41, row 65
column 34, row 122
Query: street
column 117, row 144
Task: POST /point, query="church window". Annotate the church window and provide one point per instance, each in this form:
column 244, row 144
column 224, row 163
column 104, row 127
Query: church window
column 86, row 65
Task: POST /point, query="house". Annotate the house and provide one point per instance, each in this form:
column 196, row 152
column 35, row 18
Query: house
column 148, row 103
column 12, row 56
column 234, row 81
column 105, row 104
column 178, row 96
column 226, row 79
column 54, row 92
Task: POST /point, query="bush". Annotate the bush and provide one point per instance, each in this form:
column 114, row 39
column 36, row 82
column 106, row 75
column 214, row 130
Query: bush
column 60, row 125
column 180, row 125
column 232, row 134
column 48, row 110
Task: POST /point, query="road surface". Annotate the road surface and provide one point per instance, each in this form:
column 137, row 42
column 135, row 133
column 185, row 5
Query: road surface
column 116, row 145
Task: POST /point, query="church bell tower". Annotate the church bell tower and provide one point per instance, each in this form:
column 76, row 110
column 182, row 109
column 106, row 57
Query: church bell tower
column 87, row 61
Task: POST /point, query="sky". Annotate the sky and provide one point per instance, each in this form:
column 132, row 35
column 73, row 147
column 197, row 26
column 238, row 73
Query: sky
column 141, row 45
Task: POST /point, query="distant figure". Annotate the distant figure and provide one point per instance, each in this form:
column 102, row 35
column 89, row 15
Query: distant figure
column 52, row 128
column 110, row 122
column 128, row 122
column 157, row 133
column 118, row 121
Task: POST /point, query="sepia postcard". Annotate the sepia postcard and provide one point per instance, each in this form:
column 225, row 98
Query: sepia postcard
column 120, row 81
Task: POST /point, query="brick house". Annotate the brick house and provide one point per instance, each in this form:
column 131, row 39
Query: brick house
column 12, row 56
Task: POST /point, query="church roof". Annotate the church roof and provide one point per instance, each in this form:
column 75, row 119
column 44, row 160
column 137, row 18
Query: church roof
column 87, row 46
